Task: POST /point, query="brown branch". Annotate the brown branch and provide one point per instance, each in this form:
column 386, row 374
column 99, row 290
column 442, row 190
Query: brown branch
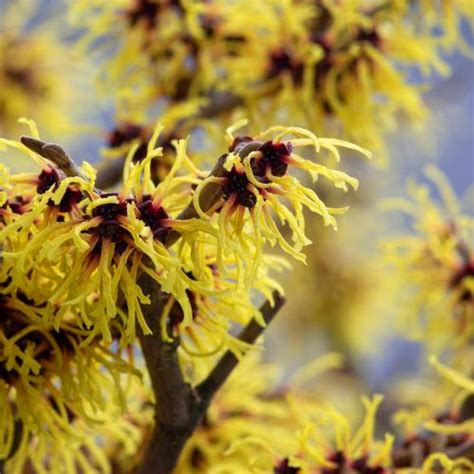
column 179, row 407
column 109, row 172
column 229, row 361
column 176, row 402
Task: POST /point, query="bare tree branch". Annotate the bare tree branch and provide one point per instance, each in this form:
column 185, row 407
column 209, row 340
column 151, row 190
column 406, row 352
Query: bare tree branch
column 176, row 403
column 179, row 407
column 229, row 361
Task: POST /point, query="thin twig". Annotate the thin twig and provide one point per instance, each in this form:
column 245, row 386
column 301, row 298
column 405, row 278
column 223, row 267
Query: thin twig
column 229, row 361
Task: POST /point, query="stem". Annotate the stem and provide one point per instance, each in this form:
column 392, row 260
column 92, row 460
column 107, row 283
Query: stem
column 229, row 361
column 179, row 407
column 176, row 401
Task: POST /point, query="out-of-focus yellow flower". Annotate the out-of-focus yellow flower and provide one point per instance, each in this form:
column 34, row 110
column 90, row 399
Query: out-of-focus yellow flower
column 112, row 436
column 434, row 266
column 150, row 51
column 314, row 62
column 437, row 425
column 36, row 72
column 254, row 426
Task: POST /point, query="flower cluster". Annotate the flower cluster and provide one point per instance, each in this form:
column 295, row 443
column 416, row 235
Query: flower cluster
column 436, row 423
column 314, row 61
column 33, row 65
column 74, row 258
column 83, row 250
column 266, row 426
column 434, row 265
column 48, row 379
column 256, row 181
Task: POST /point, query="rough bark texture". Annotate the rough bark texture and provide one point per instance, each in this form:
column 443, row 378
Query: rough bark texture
column 176, row 413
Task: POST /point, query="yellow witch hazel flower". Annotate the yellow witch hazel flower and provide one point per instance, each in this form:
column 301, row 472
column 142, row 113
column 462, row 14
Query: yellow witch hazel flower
column 47, row 379
column 80, row 248
column 257, row 187
column 149, row 49
column 213, row 315
column 252, row 426
column 316, row 62
column 110, row 437
column 36, row 70
column 434, row 265
column 435, row 435
column 285, row 434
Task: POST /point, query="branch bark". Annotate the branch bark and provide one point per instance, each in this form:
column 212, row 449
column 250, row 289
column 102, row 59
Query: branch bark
column 176, row 412
column 229, row 361
column 180, row 408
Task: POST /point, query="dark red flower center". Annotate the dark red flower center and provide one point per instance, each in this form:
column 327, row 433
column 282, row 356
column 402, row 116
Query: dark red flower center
column 467, row 270
column 236, row 185
column 359, row 466
column 283, row 467
column 274, row 158
column 127, row 132
column 281, row 61
column 153, row 216
column 50, row 177
column 110, row 227
column 47, row 178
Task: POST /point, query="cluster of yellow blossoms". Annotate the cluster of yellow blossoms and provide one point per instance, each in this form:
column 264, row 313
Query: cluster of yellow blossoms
column 433, row 266
column 272, row 425
column 77, row 261
column 73, row 256
column 33, row 66
column 313, row 61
